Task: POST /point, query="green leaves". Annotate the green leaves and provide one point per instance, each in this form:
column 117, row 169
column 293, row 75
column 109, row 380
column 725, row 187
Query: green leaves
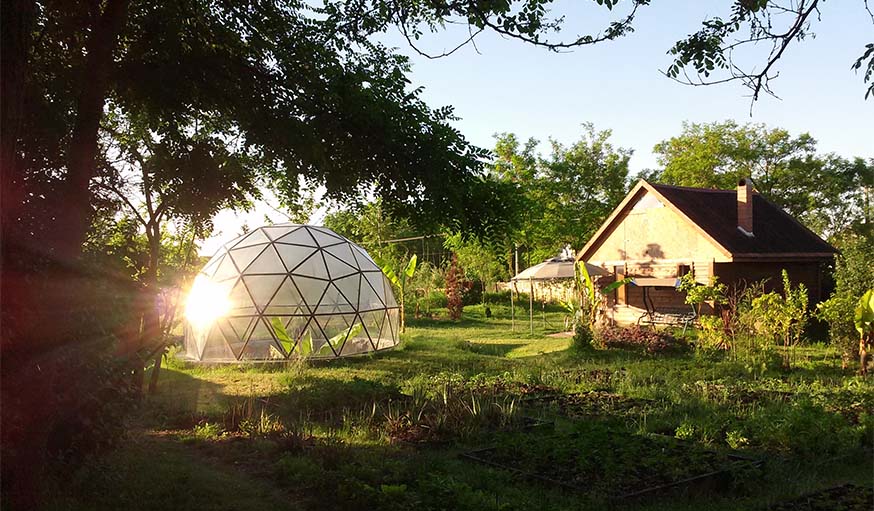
column 613, row 286
column 303, row 348
column 863, row 318
column 279, row 330
column 411, row 267
column 339, row 340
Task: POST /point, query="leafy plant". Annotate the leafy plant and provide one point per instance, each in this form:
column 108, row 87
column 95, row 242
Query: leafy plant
column 863, row 320
column 698, row 294
column 782, row 317
column 453, row 290
column 400, row 282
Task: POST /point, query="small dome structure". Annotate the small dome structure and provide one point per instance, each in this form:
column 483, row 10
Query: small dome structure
column 289, row 291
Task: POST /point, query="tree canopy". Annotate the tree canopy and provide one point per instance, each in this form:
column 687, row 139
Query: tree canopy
column 827, row 192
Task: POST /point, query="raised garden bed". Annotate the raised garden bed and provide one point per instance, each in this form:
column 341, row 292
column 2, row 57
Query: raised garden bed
column 848, row 497
column 597, row 459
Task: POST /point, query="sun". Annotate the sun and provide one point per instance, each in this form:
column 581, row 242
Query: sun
column 206, row 303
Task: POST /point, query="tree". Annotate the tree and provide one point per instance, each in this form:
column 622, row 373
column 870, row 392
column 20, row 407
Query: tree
column 853, row 276
column 479, row 259
column 185, row 177
column 828, row 193
column 561, row 199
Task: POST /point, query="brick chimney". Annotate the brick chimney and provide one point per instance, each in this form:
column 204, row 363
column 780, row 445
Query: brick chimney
column 745, row 206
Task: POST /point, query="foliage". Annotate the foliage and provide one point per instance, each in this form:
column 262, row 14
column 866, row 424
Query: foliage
column 454, row 289
column 853, row 275
column 399, row 282
column 650, row 340
column 597, row 457
column 718, row 48
column 782, row 317
column 863, row 318
column 563, row 198
column 480, row 259
column 499, row 297
column 341, row 454
column 697, row 294
column 826, row 192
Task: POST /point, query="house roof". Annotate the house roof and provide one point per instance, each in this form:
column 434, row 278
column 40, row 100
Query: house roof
column 714, row 214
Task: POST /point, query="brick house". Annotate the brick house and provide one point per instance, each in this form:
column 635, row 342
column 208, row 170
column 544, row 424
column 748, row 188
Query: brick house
column 659, row 233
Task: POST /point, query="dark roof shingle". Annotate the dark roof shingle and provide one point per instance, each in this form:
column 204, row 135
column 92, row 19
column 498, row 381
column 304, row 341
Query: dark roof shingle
column 715, row 211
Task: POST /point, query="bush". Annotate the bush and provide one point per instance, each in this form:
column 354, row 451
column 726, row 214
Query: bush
column 499, row 298
column 583, row 337
column 437, row 299
column 652, row 341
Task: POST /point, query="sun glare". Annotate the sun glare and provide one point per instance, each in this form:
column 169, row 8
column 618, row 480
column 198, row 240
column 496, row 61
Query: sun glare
column 206, row 302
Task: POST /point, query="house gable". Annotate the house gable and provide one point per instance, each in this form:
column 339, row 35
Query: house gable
column 647, row 229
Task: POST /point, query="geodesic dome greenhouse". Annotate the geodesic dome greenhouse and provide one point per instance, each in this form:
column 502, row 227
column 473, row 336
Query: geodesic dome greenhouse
column 288, row 291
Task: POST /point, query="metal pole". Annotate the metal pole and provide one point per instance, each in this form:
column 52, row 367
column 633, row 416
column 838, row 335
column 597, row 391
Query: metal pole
column 531, row 304
column 512, row 309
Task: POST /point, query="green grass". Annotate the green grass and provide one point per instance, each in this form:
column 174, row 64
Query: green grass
column 325, row 435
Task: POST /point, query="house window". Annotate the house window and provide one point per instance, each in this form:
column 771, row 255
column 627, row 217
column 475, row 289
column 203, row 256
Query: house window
column 683, row 269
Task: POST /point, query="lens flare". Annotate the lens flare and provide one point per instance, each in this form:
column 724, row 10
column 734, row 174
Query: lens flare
column 206, row 303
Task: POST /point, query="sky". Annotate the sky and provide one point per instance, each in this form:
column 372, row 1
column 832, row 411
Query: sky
column 504, row 85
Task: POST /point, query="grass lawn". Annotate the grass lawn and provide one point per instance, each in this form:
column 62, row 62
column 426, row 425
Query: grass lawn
column 387, row 431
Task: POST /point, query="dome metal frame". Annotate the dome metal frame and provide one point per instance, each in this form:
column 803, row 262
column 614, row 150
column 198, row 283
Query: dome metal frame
column 295, row 291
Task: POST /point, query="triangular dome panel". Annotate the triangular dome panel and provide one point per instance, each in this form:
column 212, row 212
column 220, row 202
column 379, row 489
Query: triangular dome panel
column 275, row 232
column 334, row 302
column 313, row 266
column 254, row 238
column 225, row 269
column 323, row 238
column 343, row 252
column 311, row 290
column 287, row 300
column 244, row 256
column 293, row 255
column 365, row 262
column 299, row 236
column 337, row 268
column 262, row 288
column 266, row 263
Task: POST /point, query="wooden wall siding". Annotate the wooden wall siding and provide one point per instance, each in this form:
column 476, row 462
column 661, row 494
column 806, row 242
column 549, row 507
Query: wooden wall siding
column 808, row 273
column 651, row 232
column 663, row 299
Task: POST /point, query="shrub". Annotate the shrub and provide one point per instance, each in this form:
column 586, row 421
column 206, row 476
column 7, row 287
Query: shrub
column 583, row 336
column 499, row 298
column 437, row 299
column 652, row 341
column 453, row 289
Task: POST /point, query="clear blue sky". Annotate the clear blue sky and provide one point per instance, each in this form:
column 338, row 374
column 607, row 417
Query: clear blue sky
column 514, row 87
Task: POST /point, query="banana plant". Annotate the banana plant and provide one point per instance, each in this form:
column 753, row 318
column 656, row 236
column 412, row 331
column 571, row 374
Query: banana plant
column 400, row 282
column 586, row 286
column 305, row 347
column 340, row 339
column 863, row 320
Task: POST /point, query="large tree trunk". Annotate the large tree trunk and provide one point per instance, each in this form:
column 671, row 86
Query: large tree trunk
column 15, row 31
column 74, row 215
column 152, row 336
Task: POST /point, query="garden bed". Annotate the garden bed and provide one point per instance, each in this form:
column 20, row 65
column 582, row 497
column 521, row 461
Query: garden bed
column 594, row 404
column 848, row 497
column 597, row 459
